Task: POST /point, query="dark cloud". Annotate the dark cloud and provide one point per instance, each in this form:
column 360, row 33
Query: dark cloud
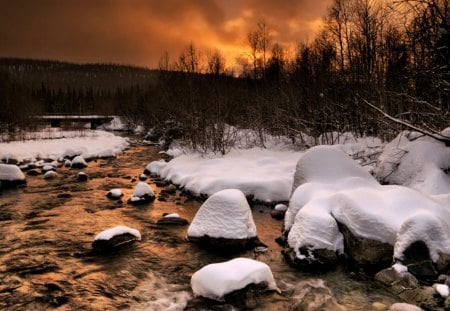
column 139, row 31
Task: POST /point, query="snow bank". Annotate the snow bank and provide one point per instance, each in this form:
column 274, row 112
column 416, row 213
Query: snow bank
column 93, row 144
column 264, row 173
column 226, row 214
column 417, row 162
column 10, row 172
column 118, row 230
column 214, row 281
column 340, row 191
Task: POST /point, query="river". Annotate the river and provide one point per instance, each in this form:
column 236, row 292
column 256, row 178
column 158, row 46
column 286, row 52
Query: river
column 47, row 228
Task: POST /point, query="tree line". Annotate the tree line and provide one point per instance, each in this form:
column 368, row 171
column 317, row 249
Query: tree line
column 393, row 56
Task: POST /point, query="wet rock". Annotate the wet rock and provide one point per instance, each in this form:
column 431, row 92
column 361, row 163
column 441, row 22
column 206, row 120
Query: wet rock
column 425, row 297
column 171, row 189
column 444, row 279
column 278, row 211
column 417, row 259
column 46, row 168
column 314, row 259
column 447, row 304
column 443, row 264
column 33, row 172
column 50, row 175
column 82, row 177
column 64, row 195
column 146, row 198
column 162, row 199
column 143, row 177
column 160, row 183
column 397, row 282
column 78, row 162
column 369, row 253
column 117, row 242
column 313, row 295
column 172, row 220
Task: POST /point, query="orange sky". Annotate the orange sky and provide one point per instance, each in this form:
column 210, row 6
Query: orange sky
column 139, row 31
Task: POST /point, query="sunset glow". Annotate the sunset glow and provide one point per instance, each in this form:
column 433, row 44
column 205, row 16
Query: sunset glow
column 139, row 31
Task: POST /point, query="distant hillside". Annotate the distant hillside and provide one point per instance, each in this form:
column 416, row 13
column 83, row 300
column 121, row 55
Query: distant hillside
column 60, row 75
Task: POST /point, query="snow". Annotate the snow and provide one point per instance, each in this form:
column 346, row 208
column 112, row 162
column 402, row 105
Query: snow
column 91, row 144
column 417, row 162
column 173, row 215
column 142, row 189
column 442, row 289
column 340, row 191
column 264, row 173
column 10, row 172
column 280, row 207
column 116, row 124
column 118, row 230
column 50, row 175
column 226, row 214
column 214, row 281
column 400, row 268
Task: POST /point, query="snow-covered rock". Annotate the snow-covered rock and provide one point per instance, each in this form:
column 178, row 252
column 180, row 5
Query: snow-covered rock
column 279, row 211
column 115, row 194
column 115, row 238
column 442, row 289
column 224, row 222
column 78, row 162
column 415, row 161
column 82, row 176
column 50, row 174
column 47, row 168
column 334, row 190
column 214, row 281
column 11, row 176
column 172, row 219
column 143, row 193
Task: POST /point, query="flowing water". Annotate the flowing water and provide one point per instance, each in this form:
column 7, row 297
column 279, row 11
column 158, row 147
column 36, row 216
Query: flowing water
column 46, row 231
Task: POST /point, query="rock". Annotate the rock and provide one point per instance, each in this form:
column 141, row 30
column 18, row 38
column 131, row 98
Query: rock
column 444, row 279
column 397, row 282
column 172, row 219
column 160, row 183
column 404, row 307
column 143, row 177
column 11, row 176
column 114, row 194
column 313, row 295
column 417, row 259
column 117, row 242
column 141, row 200
column 67, row 163
column 369, row 253
column 277, row 214
column 171, row 189
column 142, row 193
column 226, row 246
column 33, row 172
column 50, row 175
column 443, row 264
column 425, row 297
column 315, row 259
column 379, row 306
column 47, row 168
column 78, row 162
column 447, row 304
column 82, row 177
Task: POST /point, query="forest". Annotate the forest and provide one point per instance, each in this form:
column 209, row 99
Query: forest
column 374, row 69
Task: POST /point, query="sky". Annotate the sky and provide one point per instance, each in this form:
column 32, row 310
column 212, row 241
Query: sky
column 138, row 32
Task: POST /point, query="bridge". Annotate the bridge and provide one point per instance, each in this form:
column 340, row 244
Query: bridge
column 56, row 120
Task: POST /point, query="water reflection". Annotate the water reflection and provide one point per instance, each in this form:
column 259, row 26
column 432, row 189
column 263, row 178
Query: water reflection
column 47, row 228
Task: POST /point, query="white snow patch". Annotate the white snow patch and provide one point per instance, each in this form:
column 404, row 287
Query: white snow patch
column 214, row 281
column 118, row 230
column 173, row 215
column 442, row 289
column 143, row 189
column 78, row 160
column 417, row 162
column 50, row 175
column 90, row 145
column 280, row 207
column 226, row 214
column 10, row 172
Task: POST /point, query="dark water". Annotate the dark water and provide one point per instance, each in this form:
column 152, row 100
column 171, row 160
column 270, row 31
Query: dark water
column 47, row 228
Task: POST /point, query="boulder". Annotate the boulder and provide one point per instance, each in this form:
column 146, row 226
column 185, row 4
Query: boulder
column 142, row 194
column 114, row 239
column 11, row 176
column 50, row 174
column 366, row 252
column 395, row 281
column 278, row 211
column 311, row 259
column 114, row 194
column 33, row 172
column 224, row 223
column 143, row 177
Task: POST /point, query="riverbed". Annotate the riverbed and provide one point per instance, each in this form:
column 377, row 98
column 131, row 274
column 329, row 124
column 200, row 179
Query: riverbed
column 47, row 228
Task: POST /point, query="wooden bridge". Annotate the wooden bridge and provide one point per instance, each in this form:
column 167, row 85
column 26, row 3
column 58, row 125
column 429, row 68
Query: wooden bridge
column 56, row 120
